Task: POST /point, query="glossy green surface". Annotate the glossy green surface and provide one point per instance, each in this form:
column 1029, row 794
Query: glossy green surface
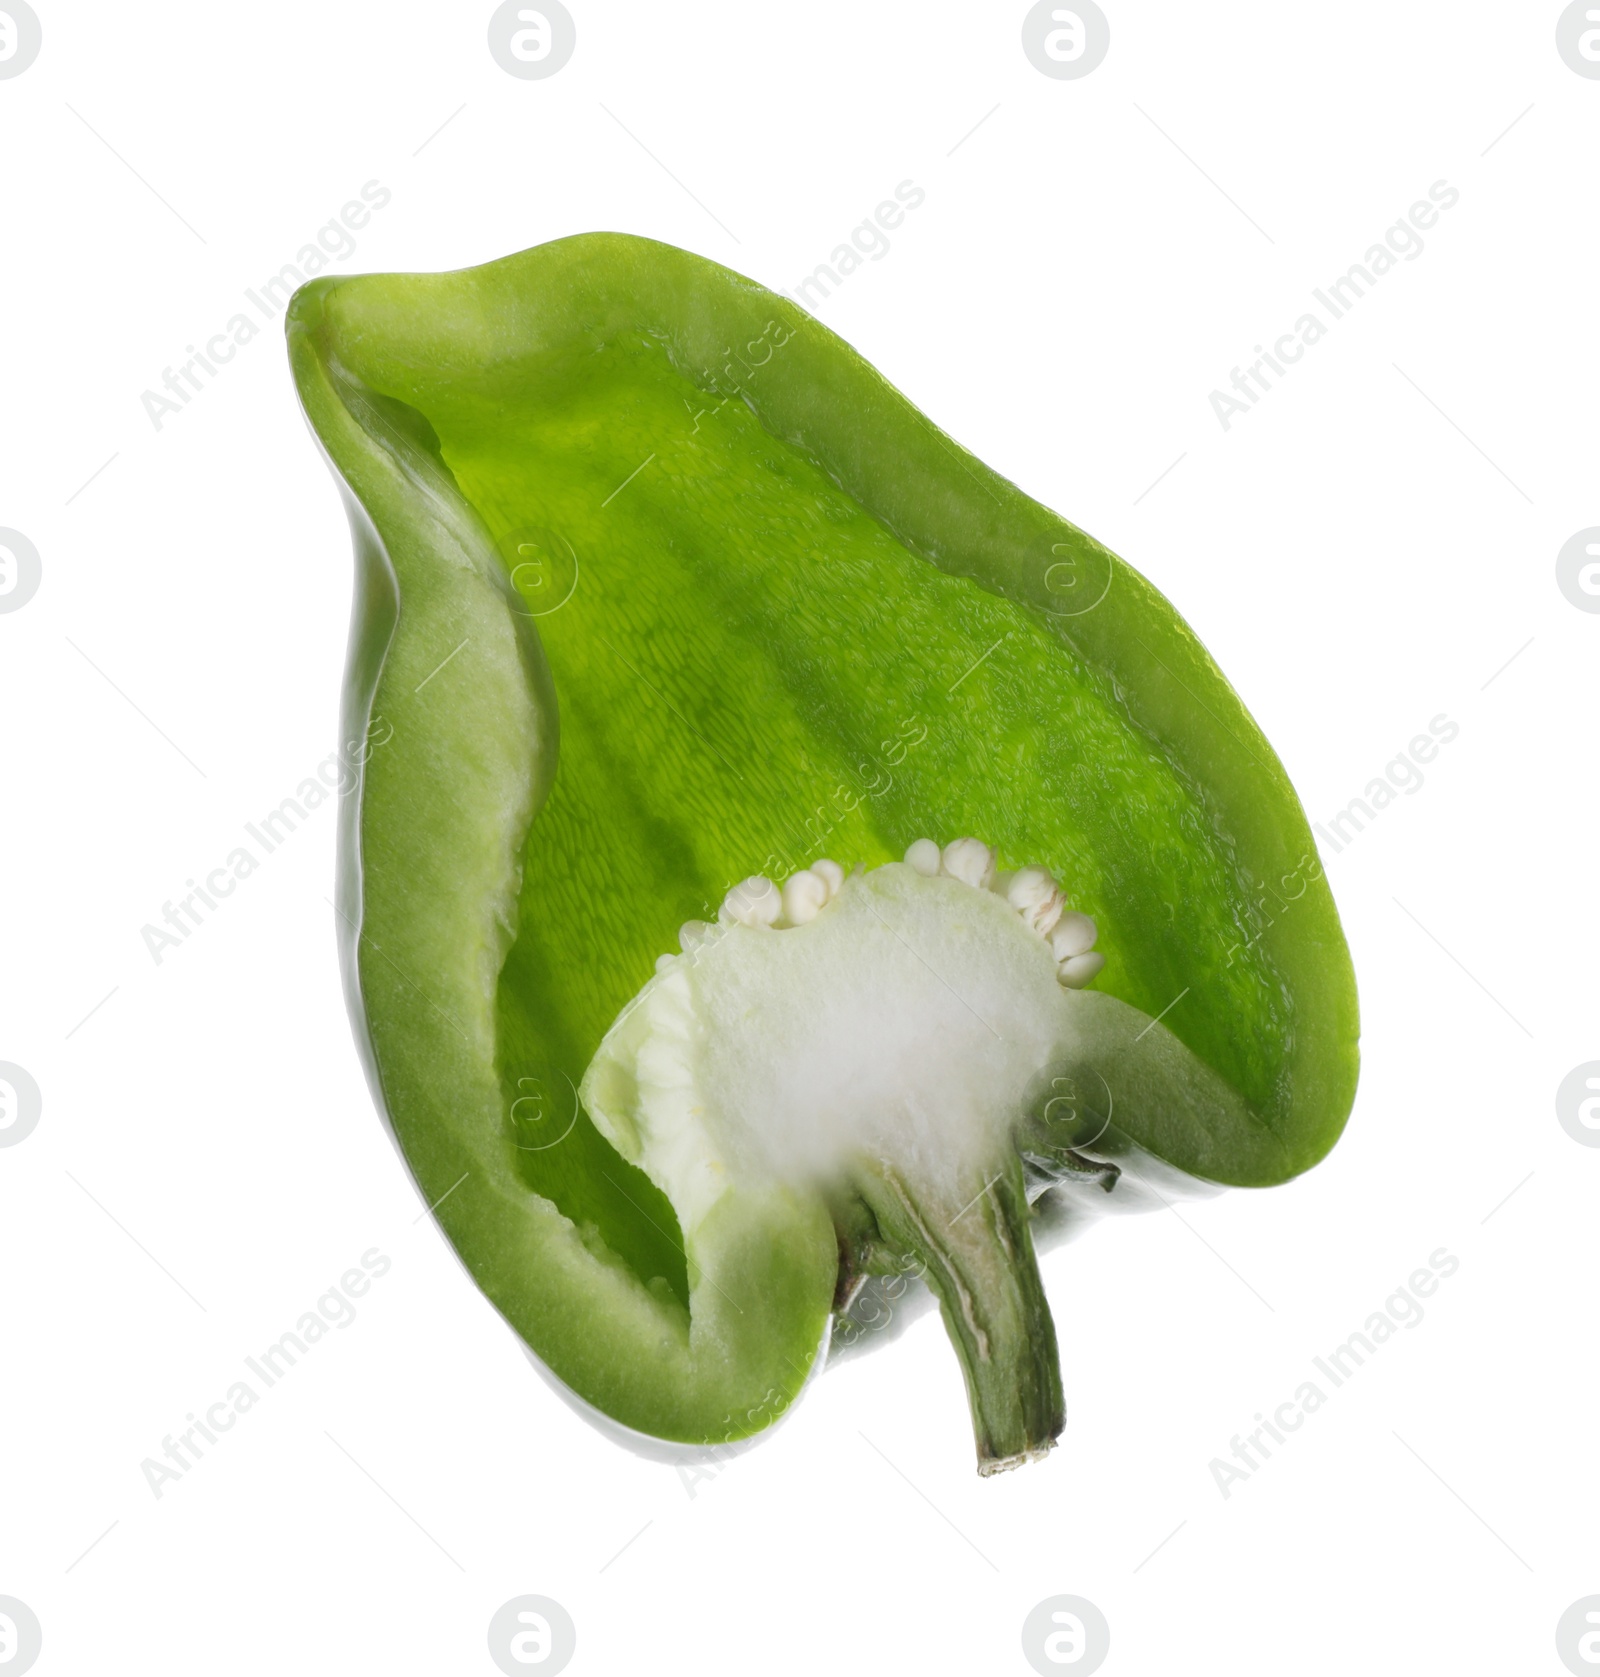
column 664, row 586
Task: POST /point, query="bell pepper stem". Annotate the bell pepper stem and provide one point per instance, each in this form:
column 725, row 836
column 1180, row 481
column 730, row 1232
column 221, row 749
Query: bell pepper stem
column 977, row 1256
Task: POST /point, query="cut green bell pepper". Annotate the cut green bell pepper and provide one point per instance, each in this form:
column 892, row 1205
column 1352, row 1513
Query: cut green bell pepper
column 661, row 586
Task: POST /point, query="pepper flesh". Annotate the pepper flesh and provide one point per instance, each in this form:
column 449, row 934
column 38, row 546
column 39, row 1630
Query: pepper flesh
column 776, row 612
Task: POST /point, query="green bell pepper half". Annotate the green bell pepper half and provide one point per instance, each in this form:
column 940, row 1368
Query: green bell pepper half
column 659, row 585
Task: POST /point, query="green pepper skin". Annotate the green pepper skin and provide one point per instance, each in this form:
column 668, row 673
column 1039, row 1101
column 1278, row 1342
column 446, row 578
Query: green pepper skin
column 488, row 939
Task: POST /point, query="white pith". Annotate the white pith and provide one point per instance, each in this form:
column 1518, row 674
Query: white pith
column 901, row 1015
column 758, row 903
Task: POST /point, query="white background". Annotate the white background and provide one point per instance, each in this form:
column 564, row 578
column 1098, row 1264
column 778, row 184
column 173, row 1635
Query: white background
column 1075, row 285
